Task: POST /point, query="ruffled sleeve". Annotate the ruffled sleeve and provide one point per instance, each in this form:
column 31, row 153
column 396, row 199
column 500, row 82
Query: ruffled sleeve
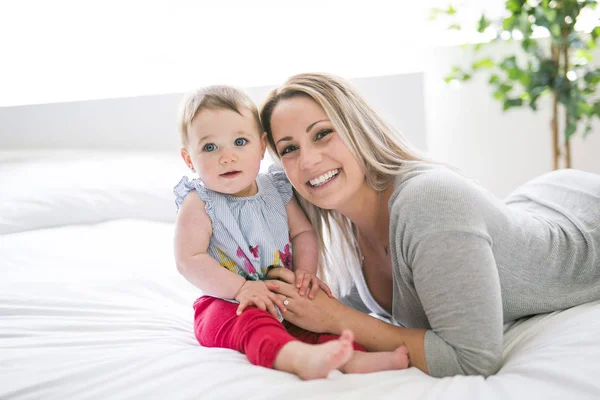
column 281, row 182
column 185, row 186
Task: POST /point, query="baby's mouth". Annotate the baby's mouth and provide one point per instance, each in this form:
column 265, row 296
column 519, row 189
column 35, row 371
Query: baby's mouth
column 231, row 174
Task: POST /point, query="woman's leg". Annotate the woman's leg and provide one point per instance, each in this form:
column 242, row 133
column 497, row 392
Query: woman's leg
column 314, row 338
column 361, row 361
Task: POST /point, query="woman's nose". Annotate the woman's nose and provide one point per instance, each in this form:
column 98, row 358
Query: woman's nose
column 309, row 159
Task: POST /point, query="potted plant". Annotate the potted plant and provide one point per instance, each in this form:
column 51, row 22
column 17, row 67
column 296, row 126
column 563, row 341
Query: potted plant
column 556, row 61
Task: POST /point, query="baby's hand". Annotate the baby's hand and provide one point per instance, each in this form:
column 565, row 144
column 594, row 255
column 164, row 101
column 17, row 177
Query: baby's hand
column 305, row 278
column 256, row 293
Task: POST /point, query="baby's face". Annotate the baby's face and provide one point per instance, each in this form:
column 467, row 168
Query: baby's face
column 226, row 149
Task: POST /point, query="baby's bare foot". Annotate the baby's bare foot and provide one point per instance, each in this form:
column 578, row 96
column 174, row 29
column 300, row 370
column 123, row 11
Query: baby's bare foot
column 362, row 363
column 317, row 361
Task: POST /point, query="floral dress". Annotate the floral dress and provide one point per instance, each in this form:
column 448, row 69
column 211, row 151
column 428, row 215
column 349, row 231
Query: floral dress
column 250, row 235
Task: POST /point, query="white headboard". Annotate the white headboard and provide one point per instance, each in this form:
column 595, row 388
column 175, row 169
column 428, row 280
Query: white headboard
column 149, row 122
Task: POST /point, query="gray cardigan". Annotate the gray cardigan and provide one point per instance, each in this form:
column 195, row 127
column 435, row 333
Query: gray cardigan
column 465, row 262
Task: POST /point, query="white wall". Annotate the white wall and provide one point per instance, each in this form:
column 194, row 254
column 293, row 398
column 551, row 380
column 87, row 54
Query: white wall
column 464, row 127
column 467, row 128
column 73, row 50
column 149, row 122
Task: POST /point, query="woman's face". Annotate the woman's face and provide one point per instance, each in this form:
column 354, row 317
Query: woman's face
column 317, row 162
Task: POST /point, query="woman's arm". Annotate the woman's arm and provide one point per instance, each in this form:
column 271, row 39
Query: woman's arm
column 441, row 224
column 193, row 229
column 456, row 278
column 327, row 315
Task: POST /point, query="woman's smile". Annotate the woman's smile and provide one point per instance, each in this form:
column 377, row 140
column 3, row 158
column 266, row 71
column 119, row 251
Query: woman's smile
column 324, row 180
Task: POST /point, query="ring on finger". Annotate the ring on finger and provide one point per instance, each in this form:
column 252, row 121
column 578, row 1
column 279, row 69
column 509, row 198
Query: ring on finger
column 286, row 301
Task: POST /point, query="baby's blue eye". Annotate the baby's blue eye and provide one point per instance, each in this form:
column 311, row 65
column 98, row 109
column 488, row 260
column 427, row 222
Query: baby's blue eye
column 240, row 141
column 209, row 147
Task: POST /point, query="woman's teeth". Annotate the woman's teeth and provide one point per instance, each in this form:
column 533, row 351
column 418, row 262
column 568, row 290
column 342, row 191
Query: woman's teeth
column 326, row 177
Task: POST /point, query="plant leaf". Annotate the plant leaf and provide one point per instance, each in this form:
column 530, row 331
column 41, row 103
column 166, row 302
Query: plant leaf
column 483, row 24
column 510, row 103
column 483, row 63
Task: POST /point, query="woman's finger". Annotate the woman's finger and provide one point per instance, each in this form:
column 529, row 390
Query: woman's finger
column 283, row 274
column 275, row 298
column 259, row 303
column 283, row 288
column 280, row 297
column 271, row 309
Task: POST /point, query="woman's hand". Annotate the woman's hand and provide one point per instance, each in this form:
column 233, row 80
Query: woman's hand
column 307, row 279
column 256, row 293
column 327, row 315
column 282, row 274
column 322, row 314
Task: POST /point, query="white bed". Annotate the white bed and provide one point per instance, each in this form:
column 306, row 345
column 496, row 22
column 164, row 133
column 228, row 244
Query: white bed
column 91, row 306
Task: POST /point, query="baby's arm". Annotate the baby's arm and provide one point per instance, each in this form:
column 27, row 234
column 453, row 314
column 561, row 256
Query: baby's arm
column 305, row 253
column 193, row 230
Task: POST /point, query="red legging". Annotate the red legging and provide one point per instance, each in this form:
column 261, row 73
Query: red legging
column 255, row 333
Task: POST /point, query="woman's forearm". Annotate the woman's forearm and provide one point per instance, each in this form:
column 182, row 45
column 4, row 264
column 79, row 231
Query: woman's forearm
column 376, row 335
column 208, row 275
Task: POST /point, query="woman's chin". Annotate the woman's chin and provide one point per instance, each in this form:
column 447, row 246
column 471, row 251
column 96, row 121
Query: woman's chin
column 324, row 203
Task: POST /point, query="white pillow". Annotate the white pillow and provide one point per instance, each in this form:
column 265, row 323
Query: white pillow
column 53, row 188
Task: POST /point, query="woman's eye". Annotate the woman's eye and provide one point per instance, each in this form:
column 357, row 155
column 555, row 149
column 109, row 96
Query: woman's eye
column 240, row 141
column 288, row 149
column 209, row 147
column 321, row 134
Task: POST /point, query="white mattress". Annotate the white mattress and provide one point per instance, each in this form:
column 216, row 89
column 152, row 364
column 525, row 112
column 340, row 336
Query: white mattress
column 96, row 310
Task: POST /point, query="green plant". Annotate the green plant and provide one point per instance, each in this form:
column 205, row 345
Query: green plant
column 559, row 66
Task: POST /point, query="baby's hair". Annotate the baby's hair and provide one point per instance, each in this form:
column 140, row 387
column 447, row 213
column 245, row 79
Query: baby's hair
column 213, row 97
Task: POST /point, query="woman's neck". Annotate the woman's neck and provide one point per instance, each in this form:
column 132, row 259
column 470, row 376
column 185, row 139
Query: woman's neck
column 369, row 212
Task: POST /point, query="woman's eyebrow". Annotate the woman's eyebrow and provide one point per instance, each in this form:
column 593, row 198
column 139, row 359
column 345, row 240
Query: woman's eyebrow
column 285, row 139
column 308, row 128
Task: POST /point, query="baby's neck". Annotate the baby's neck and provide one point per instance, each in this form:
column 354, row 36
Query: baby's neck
column 249, row 191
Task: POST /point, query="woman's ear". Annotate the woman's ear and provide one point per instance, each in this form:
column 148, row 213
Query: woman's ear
column 187, row 159
column 263, row 143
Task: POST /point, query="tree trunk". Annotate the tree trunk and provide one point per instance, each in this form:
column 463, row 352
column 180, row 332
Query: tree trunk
column 568, row 153
column 565, row 52
column 554, row 123
column 554, row 126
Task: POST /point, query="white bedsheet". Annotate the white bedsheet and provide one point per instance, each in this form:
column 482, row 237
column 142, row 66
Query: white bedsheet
column 98, row 311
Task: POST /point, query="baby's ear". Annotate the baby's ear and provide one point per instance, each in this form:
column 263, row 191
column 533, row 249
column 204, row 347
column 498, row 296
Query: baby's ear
column 186, row 158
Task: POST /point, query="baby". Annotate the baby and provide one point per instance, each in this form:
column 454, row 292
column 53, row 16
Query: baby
column 240, row 224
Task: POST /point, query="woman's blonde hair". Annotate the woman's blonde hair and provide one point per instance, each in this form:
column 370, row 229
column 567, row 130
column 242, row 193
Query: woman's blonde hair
column 380, row 150
column 213, row 97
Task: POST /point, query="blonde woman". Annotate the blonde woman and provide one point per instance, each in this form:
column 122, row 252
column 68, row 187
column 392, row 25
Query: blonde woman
column 419, row 244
